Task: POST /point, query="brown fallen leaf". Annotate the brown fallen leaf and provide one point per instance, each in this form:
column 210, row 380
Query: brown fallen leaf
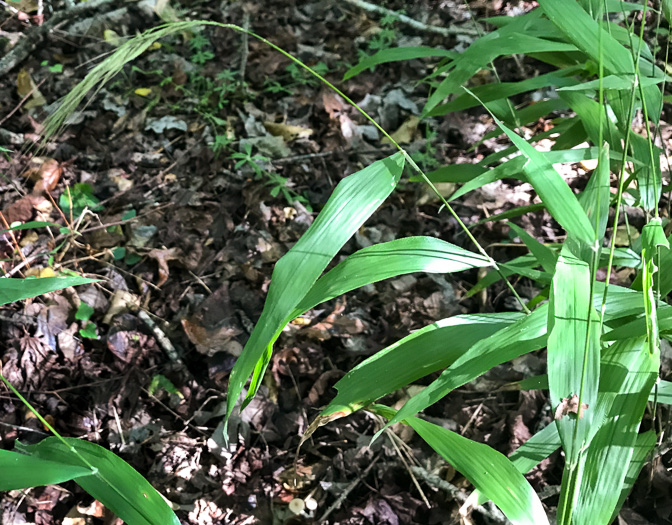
column 163, row 257
column 334, row 104
column 46, row 175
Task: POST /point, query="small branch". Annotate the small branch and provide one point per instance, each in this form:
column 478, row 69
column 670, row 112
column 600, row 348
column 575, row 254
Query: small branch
column 160, row 337
column 344, row 495
column 415, row 24
column 435, row 481
column 244, row 48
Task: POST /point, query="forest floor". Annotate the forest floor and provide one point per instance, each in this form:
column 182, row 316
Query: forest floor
column 199, row 166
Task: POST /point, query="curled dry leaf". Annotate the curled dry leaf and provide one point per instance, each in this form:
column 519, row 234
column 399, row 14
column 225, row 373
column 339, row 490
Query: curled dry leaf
column 46, row 175
column 121, row 301
column 163, row 257
column 336, row 107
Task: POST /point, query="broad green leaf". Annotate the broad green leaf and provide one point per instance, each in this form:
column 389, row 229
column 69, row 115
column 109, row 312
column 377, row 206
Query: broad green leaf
column 354, row 200
column 513, row 168
column 523, row 336
column 396, row 54
column 488, row 470
column 552, row 189
column 515, row 212
column 20, row 471
column 510, row 169
column 666, row 6
column 116, row 484
column 661, row 392
column 431, row 348
column 638, row 327
column 452, row 173
column 622, row 257
column 628, row 373
column 389, row 259
column 665, row 277
column 544, row 255
column 17, row 289
column 573, row 353
column 595, row 198
column 526, row 116
column 649, row 180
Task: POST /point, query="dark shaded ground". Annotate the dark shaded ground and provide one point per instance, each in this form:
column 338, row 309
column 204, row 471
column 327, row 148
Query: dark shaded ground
column 193, row 265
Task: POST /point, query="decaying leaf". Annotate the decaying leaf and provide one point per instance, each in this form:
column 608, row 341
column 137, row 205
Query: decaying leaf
column 46, row 175
column 287, row 131
column 570, row 405
column 25, row 86
column 162, row 257
column 121, row 301
column 334, row 104
column 406, row 132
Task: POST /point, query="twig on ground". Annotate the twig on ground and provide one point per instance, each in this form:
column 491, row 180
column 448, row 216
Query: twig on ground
column 27, row 45
column 435, row 481
column 445, row 31
column 161, row 337
column 348, row 490
column 244, row 47
column 392, row 436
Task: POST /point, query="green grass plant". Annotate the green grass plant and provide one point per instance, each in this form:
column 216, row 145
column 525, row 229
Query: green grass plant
column 602, row 340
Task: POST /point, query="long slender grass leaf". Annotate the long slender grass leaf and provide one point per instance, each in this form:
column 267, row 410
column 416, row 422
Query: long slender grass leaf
column 20, row 471
column 643, row 447
column 510, row 39
column 17, row 289
column 628, row 373
column 492, row 92
column 552, row 189
column 396, row 54
column 488, row 470
column 573, row 354
column 116, row 484
column 529, row 455
column 544, row 255
column 431, row 348
column 389, row 259
column 653, row 237
column 522, row 337
column 353, row 201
